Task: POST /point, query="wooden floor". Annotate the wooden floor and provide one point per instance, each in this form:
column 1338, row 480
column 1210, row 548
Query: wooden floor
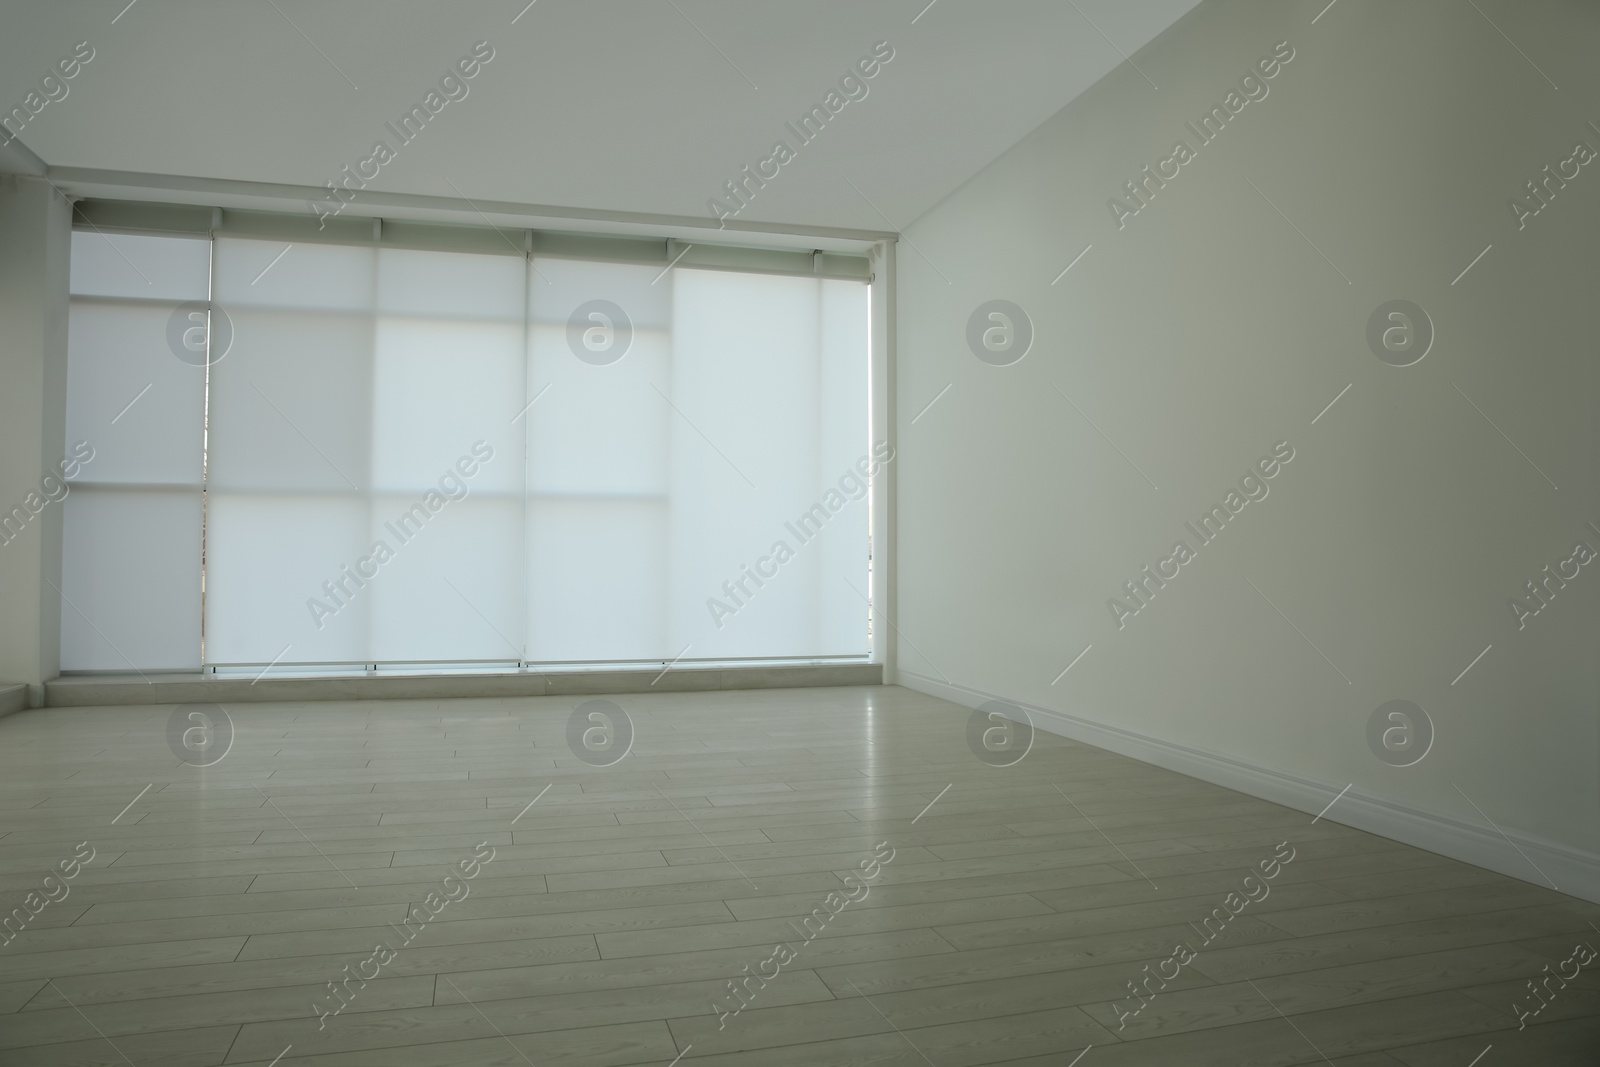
column 1006, row 928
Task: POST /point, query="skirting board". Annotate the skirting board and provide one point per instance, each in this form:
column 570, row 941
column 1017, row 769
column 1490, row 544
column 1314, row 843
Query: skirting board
column 1572, row 871
column 13, row 698
column 95, row 690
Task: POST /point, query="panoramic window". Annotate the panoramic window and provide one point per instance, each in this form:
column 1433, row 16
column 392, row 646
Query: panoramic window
column 340, row 455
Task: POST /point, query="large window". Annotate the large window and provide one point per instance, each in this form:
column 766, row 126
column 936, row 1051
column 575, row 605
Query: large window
column 391, row 455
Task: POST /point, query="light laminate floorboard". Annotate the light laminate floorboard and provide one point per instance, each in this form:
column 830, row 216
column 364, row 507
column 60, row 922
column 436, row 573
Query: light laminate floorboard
column 1021, row 906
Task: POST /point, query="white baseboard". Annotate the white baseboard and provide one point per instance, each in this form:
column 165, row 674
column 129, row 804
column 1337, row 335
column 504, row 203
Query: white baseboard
column 1573, row 871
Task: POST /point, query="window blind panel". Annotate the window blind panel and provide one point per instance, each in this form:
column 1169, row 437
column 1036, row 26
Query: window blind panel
column 451, row 285
column 453, row 589
column 290, row 453
column 746, row 379
column 559, row 286
column 441, row 384
column 754, row 372
column 291, row 405
column 300, row 277
column 843, row 440
column 598, row 462
column 130, row 580
column 277, row 578
column 598, row 573
column 132, row 523
column 140, row 267
column 291, row 401
column 449, row 375
column 599, row 430
column 129, row 397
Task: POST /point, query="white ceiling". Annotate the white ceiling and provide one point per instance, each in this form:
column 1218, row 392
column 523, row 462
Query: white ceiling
column 643, row 106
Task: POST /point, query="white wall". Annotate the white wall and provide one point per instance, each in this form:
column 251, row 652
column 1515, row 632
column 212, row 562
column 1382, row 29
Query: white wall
column 35, row 233
column 1206, row 330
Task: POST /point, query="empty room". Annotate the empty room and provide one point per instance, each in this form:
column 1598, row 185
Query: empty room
column 904, row 533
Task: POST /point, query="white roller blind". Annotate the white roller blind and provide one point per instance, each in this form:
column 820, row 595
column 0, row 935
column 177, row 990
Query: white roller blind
column 599, row 485
column 354, row 516
column 290, row 457
column 130, row 576
column 448, row 381
column 429, row 457
column 658, row 477
column 770, row 376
